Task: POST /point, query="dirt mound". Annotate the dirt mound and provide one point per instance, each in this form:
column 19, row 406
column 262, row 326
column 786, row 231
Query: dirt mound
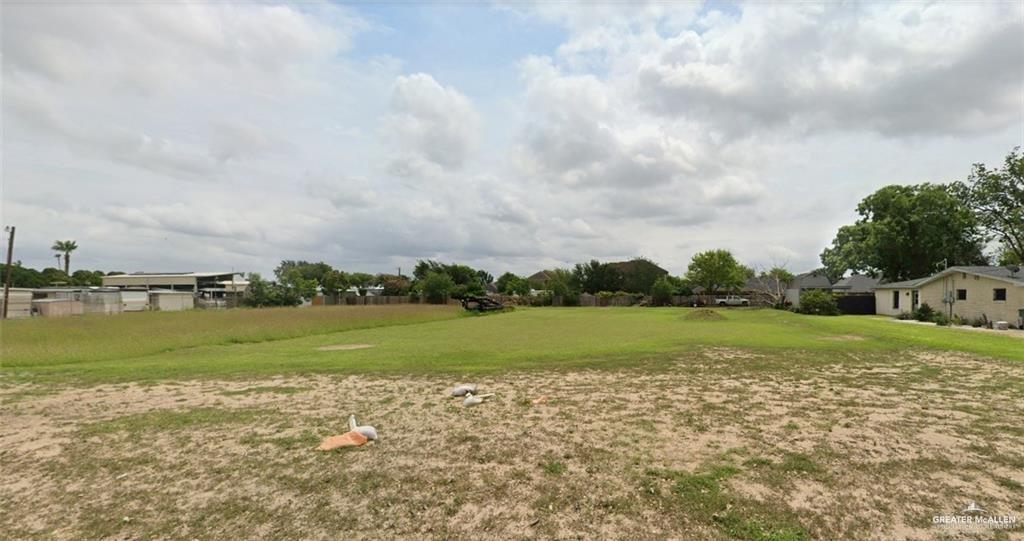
column 704, row 314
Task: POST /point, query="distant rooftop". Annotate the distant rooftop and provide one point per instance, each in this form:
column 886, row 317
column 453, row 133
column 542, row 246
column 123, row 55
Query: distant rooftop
column 178, row 274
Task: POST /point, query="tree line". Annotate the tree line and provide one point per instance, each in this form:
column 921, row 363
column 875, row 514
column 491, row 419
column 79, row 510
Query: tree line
column 907, row 232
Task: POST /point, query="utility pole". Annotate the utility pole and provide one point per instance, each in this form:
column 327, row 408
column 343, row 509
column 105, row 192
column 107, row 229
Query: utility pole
column 7, row 279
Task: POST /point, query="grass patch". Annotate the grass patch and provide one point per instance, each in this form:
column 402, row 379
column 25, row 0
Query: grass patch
column 702, row 496
column 553, row 467
column 171, row 420
column 413, row 339
column 703, row 314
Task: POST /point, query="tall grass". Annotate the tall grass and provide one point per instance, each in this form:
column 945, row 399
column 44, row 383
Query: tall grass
column 42, row 342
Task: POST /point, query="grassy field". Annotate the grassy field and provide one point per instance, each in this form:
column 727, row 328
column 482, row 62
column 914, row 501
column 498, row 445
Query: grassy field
column 426, row 339
column 658, row 423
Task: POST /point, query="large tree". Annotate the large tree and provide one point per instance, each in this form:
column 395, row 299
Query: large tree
column 716, row 270
column 65, row 247
column 595, row 276
column 996, row 196
column 907, row 232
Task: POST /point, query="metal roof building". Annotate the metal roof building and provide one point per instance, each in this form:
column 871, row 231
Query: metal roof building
column 179, row 281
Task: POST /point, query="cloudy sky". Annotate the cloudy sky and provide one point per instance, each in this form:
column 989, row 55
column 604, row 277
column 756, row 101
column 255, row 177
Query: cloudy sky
column 209, row 136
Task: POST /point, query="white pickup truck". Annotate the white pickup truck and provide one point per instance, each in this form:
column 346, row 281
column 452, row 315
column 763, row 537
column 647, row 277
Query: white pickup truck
column 731, row 300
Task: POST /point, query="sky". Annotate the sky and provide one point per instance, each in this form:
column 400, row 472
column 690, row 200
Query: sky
column 209, row 136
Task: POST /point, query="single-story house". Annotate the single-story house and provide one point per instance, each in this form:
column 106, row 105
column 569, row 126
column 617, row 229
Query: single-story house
column 539, row 279
column 807, row 281
column 974, row 292
column 856, row 284
column 894, row 298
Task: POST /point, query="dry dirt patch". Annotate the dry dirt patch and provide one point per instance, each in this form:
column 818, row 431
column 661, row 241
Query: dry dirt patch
column 871, row 449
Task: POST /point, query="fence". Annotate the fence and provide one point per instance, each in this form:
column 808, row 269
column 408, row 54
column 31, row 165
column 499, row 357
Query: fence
column 377, row 300
column 856, row 304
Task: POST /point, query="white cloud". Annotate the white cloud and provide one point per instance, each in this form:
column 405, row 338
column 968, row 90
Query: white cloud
column 432, row 127
column 238, row 134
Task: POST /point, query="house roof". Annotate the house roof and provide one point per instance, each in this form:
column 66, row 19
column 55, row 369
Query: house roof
column 811, row 280
column 540, row 276
column 626, row 267
column 762, row 284
column 989, row 271
column 173, row 274
column 857, row 283
column 905, row 284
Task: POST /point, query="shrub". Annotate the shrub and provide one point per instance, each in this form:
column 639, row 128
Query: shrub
column 437, row 286
column 941, row 319
column 924, row 313
column 661, row 292
column 904, row 316
column 819, row 303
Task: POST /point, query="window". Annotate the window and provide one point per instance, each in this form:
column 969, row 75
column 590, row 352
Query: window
column 895, row 300
column 999, row 294
column 915, row 298
column 961, row 294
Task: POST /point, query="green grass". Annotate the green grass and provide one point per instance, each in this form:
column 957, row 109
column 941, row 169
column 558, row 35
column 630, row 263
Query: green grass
column 171, row 420
column 39, row 341
column 423, row 339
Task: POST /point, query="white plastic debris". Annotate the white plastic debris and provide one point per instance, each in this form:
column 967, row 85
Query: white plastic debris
column 366, row 430
column 473, row 400
column 463, row 390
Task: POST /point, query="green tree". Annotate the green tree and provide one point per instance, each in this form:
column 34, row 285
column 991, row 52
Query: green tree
column 906, row 232
column 594, row 277
column 510, row 284
column 360, row 279
column 996, row 196
column 65, row 247
column 393, row 284
column 259, row 292
column 436, row 287
column 661, row 291
column 87, row 278
column 23, row 276
column 562, row 287
column 52, row 276
column 296, row 285
column 715, row 270
column 1007, row 258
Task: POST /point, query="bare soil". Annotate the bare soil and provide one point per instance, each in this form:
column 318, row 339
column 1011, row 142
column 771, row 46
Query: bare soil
column 344, row 347
column 866, row 448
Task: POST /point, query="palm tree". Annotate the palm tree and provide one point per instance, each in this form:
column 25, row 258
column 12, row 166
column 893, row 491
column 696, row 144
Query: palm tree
column 65, row 247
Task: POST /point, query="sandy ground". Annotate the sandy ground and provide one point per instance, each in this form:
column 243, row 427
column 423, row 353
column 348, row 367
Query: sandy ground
column 868, row 448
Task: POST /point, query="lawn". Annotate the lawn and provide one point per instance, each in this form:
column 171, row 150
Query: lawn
column 425, row 339
column 657, row 423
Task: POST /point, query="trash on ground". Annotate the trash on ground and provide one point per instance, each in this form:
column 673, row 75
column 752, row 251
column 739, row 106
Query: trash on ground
column 540, row 400
column 475, row 400
column 348, row 439
column 366, row 430
column 463, row 390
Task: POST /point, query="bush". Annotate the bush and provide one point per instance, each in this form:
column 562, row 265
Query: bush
column 924, row 313
column 904, row 316
column 437, row 286
column 941, row 319
column 818, row 303
column 661, row 292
